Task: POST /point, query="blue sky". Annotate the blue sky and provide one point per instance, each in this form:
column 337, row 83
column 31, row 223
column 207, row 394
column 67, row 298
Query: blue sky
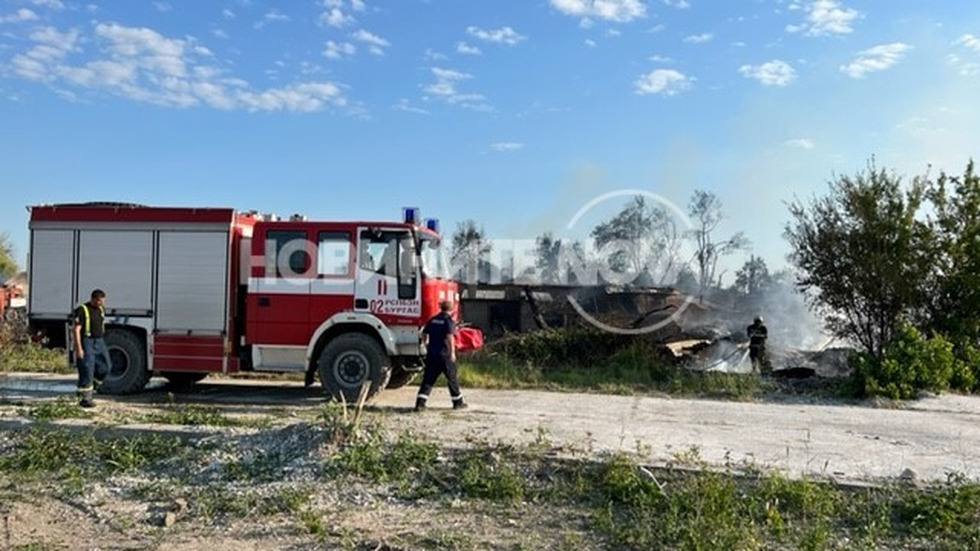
column 514, row 113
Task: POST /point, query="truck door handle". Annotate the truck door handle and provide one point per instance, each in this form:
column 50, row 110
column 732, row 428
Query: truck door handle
column 265, row 302
column 361, row 303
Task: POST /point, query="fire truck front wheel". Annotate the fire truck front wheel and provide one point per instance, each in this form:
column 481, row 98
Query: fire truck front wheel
column 127, row 357
column 349, row 362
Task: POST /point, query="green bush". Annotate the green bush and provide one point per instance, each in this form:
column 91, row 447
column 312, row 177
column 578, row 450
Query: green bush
column 563, row 347
column 966, row 375
column 910, row 363
column 630, row 365
column 19, row 353
column 949, row 509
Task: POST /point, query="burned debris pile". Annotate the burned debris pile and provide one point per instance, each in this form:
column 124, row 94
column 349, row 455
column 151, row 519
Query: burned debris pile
column 593, row 323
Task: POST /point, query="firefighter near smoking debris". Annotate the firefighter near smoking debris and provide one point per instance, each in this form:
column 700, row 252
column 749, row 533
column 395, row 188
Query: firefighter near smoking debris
column 440, row 357
column 758, row 333
column 91, row 354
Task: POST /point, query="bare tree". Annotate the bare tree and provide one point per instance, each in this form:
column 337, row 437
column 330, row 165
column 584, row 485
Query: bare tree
column 553, row 259
column 648, row 240
column 470, row 251
column 753, row 277
column 705, row 212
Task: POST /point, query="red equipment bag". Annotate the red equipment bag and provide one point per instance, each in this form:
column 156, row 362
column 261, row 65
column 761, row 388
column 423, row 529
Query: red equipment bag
column 468, row 339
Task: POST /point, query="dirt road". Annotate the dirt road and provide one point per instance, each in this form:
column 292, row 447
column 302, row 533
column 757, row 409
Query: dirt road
column 931, row 437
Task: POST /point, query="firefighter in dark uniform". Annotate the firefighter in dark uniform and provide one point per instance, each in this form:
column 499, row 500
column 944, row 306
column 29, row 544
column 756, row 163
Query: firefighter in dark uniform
column 757, row 344
column 440, row 357
column 91, row 354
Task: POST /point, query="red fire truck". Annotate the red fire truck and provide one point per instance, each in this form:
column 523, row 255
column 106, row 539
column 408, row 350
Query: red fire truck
column 192, row 291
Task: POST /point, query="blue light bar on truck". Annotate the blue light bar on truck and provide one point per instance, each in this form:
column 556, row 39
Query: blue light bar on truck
column 432, row 224
column 411, row 215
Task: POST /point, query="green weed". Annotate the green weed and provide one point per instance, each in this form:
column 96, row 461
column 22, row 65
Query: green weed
column 191, row 415
column 62, row 408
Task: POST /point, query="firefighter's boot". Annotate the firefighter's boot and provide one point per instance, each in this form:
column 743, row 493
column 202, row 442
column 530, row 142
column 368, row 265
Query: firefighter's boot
column 85, row 399
column 460, row 404
column 419, row 404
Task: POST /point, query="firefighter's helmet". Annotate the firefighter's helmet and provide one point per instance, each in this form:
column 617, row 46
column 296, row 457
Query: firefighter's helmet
column 758, row 319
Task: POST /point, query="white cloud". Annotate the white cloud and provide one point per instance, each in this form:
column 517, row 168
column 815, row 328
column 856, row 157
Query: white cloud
column 970, row 42
column 162, row 7
column 879, row 58
column 302, row 97
column 963, row 67
column 52, row 46
column 503, row 35
column 466, row 49
column 220, row 33
column 142, row 65
column 770, row 73
column 590, row 43
column 405, row 105
column 339, row 50
column 657, row 58
column 376, row 44
column 336, row 13
column 699, row 38
column 308, row 68
column 433, row 55
column 336, row 18
column 447, row 76
column 446, row 88
column 19, row 16
column 274, row 16
column 826, row 17
column 52, row 4
column 506, row 146
column 680, row 4
column 271, row 16
column 620, row 11
column 227, row 14
column 800, row 143
column 667, row 82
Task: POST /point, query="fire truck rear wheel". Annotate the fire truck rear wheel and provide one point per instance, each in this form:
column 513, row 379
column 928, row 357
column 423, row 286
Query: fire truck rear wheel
column 351, row 361
column 127, row 357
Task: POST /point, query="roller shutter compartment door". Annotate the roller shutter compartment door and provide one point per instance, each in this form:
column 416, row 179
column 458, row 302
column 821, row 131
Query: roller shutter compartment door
column 52, row 252
column 121, row 264
column 192, row 287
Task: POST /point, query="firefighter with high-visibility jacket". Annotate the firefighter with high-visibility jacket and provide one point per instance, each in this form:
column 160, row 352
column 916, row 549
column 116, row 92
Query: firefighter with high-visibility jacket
column 91, row 354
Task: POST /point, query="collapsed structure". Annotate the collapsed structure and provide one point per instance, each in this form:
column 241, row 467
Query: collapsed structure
column 694, row 332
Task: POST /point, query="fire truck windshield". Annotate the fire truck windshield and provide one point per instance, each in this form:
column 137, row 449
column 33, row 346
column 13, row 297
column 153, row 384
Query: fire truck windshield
column 434, row 260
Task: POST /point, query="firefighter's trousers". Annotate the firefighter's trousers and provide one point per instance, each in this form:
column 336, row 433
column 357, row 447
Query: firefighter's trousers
column 94, row 366
column 435, row 366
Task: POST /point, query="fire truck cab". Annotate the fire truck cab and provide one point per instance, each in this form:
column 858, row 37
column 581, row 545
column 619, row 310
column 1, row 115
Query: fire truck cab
column 194, row 291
